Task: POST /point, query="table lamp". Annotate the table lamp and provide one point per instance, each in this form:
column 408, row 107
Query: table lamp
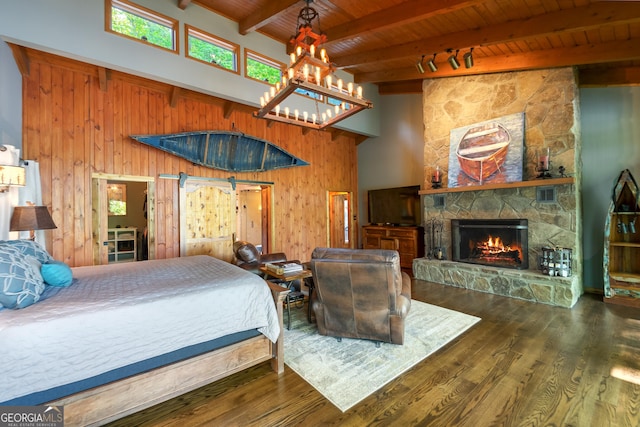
column 31, row 218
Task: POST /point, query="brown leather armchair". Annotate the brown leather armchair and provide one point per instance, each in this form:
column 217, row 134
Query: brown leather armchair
column 360, row 293
column 248, row 257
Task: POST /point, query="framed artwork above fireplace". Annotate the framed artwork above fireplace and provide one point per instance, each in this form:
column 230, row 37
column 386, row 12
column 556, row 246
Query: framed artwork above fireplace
column 487, row 152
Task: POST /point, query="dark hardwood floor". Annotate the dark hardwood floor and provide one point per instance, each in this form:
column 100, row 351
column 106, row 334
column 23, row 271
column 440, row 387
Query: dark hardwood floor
column 523, row 364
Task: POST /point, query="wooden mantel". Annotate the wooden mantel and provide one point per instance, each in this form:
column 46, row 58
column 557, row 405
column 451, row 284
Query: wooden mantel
column 502, row 185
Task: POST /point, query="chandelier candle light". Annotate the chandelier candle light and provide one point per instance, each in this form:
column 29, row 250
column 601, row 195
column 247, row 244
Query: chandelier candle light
column 310, row 71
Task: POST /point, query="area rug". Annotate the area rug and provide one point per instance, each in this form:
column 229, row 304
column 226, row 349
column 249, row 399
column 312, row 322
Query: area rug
column 347, row 372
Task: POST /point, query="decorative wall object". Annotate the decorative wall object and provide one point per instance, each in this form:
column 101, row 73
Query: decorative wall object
column 489, row 151
column 225, row 150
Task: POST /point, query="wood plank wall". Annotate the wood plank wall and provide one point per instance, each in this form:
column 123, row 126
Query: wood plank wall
column 76, row 122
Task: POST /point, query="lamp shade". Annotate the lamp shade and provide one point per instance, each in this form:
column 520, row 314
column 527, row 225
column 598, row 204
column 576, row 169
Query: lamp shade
column 26, row 218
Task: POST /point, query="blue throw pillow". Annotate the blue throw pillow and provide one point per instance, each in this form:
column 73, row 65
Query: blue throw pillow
column 27, row 247
column 21, row 283
column 56, row 273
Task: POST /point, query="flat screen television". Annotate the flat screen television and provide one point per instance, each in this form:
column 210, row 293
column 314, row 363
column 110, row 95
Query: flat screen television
column 395, row 206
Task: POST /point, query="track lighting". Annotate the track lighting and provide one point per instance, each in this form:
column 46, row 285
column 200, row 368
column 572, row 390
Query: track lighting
column 468, row 59
column 431, row 63
column 420, row 66
column 453, row 60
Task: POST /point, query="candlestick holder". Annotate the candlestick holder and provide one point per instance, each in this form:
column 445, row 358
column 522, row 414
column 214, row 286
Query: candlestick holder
column 543, row 166
column 436, row 179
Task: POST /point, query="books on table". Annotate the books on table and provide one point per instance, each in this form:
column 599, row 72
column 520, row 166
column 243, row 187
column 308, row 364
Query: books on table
column 284, row 267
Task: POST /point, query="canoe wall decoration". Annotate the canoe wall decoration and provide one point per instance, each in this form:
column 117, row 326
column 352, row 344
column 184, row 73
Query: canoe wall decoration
column 489, row 151
column 225, row 150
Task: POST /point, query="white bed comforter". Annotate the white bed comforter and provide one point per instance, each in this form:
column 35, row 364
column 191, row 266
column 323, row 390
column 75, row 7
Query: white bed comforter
column 118, row 314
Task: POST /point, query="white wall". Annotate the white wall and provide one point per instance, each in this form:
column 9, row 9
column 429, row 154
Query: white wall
column 395, row 158
column 10, row 99
column 75, row 29
column 610, row 144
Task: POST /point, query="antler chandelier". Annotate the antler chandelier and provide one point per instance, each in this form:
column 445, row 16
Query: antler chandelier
column 311, row 73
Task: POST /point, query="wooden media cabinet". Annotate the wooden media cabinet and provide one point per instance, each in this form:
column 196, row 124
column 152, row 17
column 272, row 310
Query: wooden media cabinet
column 408, row 241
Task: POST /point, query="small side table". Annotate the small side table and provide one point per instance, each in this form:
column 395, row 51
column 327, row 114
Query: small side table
column 288, row 279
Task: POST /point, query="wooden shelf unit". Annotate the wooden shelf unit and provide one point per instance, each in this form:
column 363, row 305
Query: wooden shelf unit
column 622, row 245
column 122, row 244
column 408, row 241
column 502, row 185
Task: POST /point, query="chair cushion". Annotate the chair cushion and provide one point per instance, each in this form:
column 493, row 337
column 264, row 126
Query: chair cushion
column 246, row 252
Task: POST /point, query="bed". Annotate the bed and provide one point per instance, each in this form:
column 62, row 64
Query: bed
column 123, row 337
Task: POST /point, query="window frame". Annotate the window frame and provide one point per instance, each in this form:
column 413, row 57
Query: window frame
column 190, row 30
column 144, row 13
column 258, row 57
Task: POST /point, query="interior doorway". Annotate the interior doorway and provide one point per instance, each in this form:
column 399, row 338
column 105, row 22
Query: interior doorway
column 340, row 224
column 122, row 218
column 253, row 214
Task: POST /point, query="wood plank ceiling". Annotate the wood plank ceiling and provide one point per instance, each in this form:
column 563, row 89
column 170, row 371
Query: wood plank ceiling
column 381, row 41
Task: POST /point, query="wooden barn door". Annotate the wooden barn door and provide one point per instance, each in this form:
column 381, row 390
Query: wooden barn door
column 207, row 219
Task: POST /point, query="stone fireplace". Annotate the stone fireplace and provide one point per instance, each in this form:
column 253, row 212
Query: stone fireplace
column 549, row 101
column 492, row 242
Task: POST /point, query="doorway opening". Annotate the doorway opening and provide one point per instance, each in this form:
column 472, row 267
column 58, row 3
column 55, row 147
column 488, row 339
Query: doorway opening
column 340, row 233
column 123, row 218
column 253, row 214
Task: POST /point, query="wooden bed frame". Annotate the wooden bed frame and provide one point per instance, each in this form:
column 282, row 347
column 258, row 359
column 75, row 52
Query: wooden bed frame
column 109, row 402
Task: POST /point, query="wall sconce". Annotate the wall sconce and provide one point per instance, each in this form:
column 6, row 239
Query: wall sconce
column 11, row 176
column 420, row 66
column 468, row 59
column 432, row 64
column 453, row 60
column 31, row 218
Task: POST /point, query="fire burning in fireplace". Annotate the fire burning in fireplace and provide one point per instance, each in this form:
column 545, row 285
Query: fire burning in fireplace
column 494, row 250
column 493, row 242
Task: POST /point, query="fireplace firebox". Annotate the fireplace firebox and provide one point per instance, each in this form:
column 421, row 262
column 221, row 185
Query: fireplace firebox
column 493, row 242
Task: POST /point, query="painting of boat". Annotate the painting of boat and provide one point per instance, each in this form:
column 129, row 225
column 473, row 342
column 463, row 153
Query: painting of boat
column 483, row 150
column 224, row 150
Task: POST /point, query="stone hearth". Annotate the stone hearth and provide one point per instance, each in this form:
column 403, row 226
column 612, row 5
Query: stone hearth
column 522, row 284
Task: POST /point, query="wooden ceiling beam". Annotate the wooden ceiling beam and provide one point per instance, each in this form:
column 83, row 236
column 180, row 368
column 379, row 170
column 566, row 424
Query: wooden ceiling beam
column 397, row 15
column 402, row 87
column 594, row 16
column 359, row 139
column 228, row 108
column 609, row 77
column 174, row 96
column 263, row 15
column 627, row 50
column 21, row 56
column 103, row 78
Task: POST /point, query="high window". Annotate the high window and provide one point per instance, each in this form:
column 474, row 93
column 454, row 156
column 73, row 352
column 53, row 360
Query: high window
column 213, row 50
column 261, row 68
column 136, row 22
